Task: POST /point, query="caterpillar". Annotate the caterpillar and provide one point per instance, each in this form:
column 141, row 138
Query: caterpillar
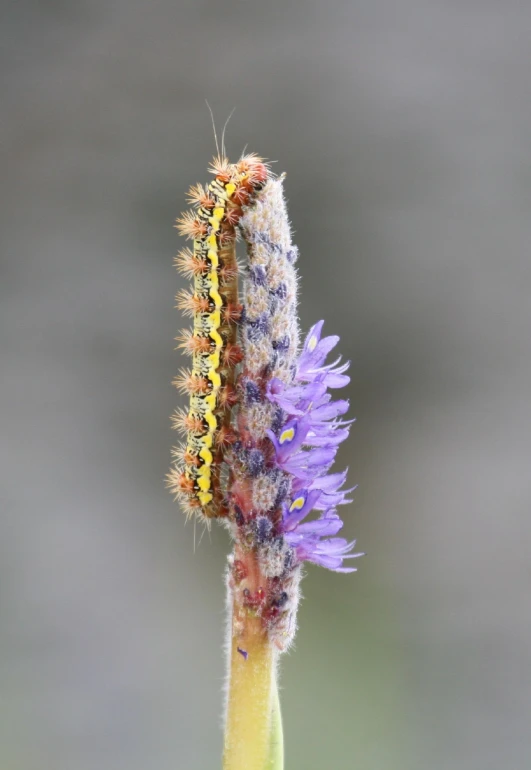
column 212, row 342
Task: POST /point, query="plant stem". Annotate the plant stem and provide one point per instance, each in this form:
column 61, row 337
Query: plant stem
column 275, row 759
column 252, row 668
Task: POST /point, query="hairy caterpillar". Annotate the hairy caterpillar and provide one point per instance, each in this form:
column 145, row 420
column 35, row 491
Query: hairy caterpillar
column 212, row 341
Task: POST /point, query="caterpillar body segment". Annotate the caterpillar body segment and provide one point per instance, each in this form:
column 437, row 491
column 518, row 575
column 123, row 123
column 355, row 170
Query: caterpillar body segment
column 212, row 341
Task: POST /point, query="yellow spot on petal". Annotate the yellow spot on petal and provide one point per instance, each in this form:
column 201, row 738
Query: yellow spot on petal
column 297, row 504
column 312, row 343
column 287, row 435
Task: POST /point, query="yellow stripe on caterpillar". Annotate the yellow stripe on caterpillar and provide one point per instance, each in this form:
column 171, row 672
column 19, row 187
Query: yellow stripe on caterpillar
column 214, row 319
column 211, row 422
column 203, row 482
column 206, row 455
column 213, row 279
column 212, row 256
column 215, row 379
column 216, row 338
column 215, row 296
column 205, row 498
column 213, row 359
column 210, row 401
column 208, row 440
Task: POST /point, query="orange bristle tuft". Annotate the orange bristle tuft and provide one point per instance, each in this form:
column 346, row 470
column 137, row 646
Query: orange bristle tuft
column 227, row 236
column 221, row 168
column 241, row 196
column 186, row 484
column 189, row 264
column 225, row 437
column 227, row 397
column 232, row 312
column 190, row 304
column 185, row 422
column 192, row 344
column 233, row 215
column 184, row 457
column 227, row 273
column 191, row 459
column 177, row 481
column 255, row 168
column 232, row 355
column 198, row 195
column 186, row 382
column 189, row 226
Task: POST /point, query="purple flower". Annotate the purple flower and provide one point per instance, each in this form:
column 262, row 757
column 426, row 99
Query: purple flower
column 331, row 493
column 295, row 400
column 305, row 448
column 290, row 438
column 313, row 354
column 299, row 508
column 327, row 552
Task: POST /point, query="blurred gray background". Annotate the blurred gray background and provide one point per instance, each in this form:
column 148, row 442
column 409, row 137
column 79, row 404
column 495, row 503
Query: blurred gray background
column 405, row 129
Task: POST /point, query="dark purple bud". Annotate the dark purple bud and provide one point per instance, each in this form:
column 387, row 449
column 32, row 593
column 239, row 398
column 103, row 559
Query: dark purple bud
column 283, row 491
column 238, row 516
column 282, row 343
column 263, row 528
column 255, row 462
column 258, row 328
column 292, row 255
column 258, row 275
column 281, row 291
column 252, row 392
column 278, row 421
column 289, row 559
column 280, row 601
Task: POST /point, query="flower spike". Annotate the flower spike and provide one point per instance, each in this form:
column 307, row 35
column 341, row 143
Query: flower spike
column 262, row 426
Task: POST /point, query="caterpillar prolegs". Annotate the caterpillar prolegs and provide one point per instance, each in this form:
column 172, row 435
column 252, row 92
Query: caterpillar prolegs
column 212, row 341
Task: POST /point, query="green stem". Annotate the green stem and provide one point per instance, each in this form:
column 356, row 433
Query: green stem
column 275, row 758
column 249, row 708
column 251, row 677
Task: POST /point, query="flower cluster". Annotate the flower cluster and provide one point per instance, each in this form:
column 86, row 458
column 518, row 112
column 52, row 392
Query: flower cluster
column 305, row 448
